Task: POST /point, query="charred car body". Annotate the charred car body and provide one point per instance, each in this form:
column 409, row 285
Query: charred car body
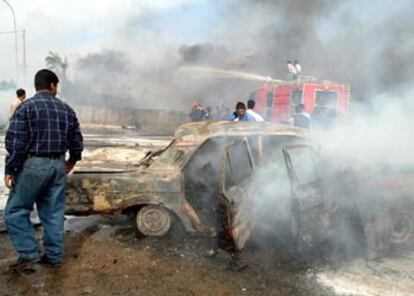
column 181, row 181
column 216, row 174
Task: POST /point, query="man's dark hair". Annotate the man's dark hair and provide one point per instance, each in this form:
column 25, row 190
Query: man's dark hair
column 299, row 108
column 44, row 78
column 288, row 62
column 251, row 104
column 240, row 105
column 20, row 92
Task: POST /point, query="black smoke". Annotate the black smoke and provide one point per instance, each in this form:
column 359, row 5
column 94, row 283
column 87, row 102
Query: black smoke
column 332, row 41
column 372, row 53
column 203, row 54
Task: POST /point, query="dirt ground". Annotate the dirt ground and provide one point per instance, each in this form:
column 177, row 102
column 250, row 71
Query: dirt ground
column 106, row 257
column 390, row 276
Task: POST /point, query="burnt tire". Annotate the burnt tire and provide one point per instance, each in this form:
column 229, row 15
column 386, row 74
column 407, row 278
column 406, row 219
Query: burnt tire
column 402, row 228
column 153, row 220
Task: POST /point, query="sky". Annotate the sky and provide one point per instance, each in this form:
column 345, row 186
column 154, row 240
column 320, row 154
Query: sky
column 76, row 27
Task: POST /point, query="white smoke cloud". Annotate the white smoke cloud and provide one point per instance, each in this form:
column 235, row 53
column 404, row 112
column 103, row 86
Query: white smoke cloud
column 381, row 134
column 71, row 28
column 365, row 168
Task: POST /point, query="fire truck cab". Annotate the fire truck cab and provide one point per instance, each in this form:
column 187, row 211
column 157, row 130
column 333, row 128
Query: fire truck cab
column 326, row 101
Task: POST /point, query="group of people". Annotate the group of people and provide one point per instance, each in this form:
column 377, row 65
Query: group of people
column 300, row 119
column 294, row 70
column 242, row 113
column 40, row 132
column 221, row 112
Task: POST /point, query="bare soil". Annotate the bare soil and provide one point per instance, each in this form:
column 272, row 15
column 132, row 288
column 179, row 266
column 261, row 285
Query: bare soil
column 106, row 257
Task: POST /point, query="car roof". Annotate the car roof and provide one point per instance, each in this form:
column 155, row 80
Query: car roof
column 200, row 131
column 190, row 136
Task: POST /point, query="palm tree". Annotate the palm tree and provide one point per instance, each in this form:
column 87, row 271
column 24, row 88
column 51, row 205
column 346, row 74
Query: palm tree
column 58, row 64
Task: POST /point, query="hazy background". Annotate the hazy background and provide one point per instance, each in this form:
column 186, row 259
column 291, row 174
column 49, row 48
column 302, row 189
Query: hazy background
column 133, row 51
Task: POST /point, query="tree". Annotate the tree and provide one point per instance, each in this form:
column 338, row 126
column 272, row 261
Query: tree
column 58, row 64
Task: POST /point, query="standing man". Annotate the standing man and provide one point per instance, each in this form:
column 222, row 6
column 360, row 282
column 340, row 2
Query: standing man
column 255, row 115
column 197, row 112
column 21, row 96
column 292, row 74
column 298, row 67
column 241, row 114
column 40, row 132
column 301, row 118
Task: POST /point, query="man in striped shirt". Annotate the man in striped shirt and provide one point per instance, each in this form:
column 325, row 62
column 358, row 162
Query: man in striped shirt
column 41, row 130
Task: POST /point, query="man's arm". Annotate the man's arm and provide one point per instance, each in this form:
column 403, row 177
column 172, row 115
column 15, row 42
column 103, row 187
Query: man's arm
column 16, row 144
column 75, row 144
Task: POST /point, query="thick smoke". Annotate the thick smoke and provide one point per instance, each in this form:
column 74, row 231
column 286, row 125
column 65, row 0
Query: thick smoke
column 203, row 54
column 367, row 160
column 379, row 135
column 362, row 173
column 100, row 76
column 283, row 30
column 156, row 81
column 372, row 53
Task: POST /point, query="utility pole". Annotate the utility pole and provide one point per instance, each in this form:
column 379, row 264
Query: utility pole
column 15, row 40
column 24, row 56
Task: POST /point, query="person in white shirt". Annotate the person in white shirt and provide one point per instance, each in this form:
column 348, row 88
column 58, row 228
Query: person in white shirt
column 291, row 68
column 298, row 67
column 255, row 115
column 21, row 96
column 292, row 75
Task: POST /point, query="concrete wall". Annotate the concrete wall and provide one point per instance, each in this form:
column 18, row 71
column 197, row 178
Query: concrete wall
column 146, row 121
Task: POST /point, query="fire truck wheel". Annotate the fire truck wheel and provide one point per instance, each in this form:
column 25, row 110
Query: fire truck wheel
column 153, row 220
column 402, row 230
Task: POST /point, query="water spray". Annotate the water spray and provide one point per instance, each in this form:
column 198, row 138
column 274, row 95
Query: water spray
column 229, row 74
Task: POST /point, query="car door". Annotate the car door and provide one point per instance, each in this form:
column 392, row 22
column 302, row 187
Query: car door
column 309, row 216
column 237, row 168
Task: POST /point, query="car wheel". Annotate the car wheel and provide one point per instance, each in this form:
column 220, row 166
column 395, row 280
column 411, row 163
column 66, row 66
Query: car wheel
column 402, row 230
column 153, row 220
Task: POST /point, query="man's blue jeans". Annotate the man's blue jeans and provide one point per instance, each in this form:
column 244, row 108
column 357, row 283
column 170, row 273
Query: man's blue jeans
column 41, row 181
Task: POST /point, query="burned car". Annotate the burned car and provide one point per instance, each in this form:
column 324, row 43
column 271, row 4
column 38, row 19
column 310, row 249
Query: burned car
column 232, row 178
column 385, row 202
column 180, row 183
column 300, row 196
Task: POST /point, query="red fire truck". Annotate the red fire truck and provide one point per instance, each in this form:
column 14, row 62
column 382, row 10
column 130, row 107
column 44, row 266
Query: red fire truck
column 276, row 100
